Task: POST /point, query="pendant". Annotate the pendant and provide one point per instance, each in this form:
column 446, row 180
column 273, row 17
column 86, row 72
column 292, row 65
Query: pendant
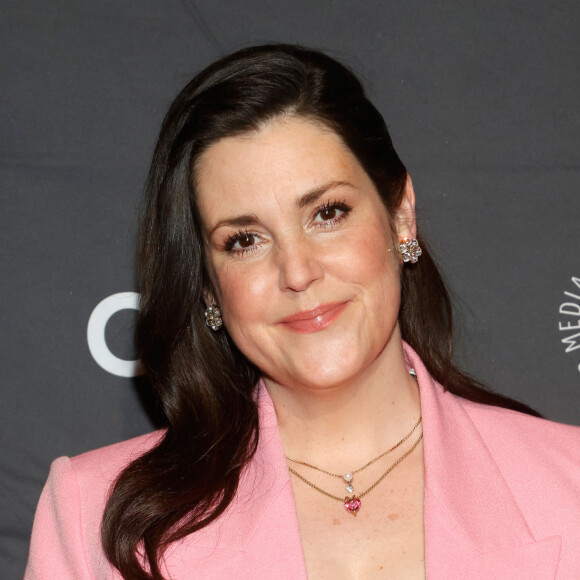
column 348, row 478
column 352, row 504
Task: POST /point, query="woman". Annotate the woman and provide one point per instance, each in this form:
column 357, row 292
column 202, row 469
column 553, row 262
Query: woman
column 298, row 335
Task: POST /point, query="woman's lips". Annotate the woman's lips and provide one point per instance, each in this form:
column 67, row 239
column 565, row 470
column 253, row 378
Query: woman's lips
column 314, row 320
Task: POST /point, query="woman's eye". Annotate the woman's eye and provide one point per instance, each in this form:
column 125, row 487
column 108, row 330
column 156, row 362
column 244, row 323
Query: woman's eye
column 331, row 213
column 241, row 243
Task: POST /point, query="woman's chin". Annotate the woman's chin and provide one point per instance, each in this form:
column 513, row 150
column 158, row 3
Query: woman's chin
column 327, row 372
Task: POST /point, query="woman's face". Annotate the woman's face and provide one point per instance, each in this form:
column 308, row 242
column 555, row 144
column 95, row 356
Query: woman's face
column 301, row 252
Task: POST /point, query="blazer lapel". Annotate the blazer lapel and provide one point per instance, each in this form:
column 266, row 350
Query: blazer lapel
column 257, row 536
column 473, row 527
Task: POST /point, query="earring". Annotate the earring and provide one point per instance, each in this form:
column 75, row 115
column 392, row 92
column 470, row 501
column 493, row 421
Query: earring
column 410, row 250
column 213, row 317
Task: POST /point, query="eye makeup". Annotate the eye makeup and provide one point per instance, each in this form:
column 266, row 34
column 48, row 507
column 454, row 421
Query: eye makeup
column 326, row 215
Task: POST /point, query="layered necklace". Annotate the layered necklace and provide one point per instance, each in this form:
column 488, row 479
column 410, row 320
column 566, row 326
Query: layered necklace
column 352, row 503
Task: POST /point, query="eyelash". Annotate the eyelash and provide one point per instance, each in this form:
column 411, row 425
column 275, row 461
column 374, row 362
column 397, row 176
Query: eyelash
column 337, row 205
column 234, row 238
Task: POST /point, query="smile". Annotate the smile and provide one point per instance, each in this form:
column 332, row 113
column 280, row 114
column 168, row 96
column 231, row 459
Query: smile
column 315, row 319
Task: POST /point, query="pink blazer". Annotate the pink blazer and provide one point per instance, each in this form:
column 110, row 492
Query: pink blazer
column 502, row 500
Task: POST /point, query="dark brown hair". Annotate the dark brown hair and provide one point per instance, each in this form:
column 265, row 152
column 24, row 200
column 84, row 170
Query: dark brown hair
column 204, row 384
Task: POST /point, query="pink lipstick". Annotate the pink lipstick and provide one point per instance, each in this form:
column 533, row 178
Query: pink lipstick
column 313, row 320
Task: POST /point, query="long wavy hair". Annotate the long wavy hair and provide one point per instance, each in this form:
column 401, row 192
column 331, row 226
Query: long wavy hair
column 203, row 383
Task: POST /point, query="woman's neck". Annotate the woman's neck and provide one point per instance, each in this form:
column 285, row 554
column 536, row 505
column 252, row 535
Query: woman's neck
column 340, row 426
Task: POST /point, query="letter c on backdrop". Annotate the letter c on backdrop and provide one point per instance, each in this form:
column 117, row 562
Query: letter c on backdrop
column 96, row 334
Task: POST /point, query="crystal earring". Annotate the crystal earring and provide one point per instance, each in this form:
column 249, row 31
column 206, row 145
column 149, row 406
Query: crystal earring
column 410, row 250
column 213, row 317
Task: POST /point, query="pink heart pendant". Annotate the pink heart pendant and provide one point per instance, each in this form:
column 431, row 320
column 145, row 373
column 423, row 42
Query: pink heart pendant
column 352, row 504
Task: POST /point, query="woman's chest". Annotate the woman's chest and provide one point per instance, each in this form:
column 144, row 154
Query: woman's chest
column 384, row 540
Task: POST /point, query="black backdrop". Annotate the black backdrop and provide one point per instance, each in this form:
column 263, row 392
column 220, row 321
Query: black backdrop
column 482, row 102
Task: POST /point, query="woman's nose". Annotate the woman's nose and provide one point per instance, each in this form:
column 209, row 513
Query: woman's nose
column 300, row 265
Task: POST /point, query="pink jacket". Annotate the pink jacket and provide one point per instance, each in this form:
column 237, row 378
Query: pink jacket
column 502, row 500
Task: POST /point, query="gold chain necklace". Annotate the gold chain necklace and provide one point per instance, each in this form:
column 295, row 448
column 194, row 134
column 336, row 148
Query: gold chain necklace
column 349, row 477
column 353, row 503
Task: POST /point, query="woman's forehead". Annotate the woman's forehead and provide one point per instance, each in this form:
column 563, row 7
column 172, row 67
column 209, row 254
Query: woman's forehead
column 282, row 160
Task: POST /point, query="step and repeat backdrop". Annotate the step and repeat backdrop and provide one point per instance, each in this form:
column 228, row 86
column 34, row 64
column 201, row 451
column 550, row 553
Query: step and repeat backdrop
column 482, row 102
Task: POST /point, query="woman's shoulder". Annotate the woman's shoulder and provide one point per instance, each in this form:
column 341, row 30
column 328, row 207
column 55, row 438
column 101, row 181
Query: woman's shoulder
column 106, row 463
column 507, row 421
column 116, row 456
column 516, row 438
column 66, row 531
column 93, row 473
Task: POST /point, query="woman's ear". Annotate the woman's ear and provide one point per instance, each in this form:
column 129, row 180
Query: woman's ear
column 406, row 226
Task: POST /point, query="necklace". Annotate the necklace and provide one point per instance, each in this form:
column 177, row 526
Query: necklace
column 348, row 477
column 353, row 503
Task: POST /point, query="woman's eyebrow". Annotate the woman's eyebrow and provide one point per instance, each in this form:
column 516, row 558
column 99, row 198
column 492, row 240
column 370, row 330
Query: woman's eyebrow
column 250, row 219
column 312, row 196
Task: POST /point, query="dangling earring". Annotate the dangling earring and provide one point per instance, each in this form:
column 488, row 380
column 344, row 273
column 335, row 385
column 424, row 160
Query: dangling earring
column 410, row 250
column 213, row 317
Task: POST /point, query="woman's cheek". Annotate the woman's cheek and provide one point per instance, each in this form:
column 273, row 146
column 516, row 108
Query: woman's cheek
column 369, row 257
column 244, row 291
